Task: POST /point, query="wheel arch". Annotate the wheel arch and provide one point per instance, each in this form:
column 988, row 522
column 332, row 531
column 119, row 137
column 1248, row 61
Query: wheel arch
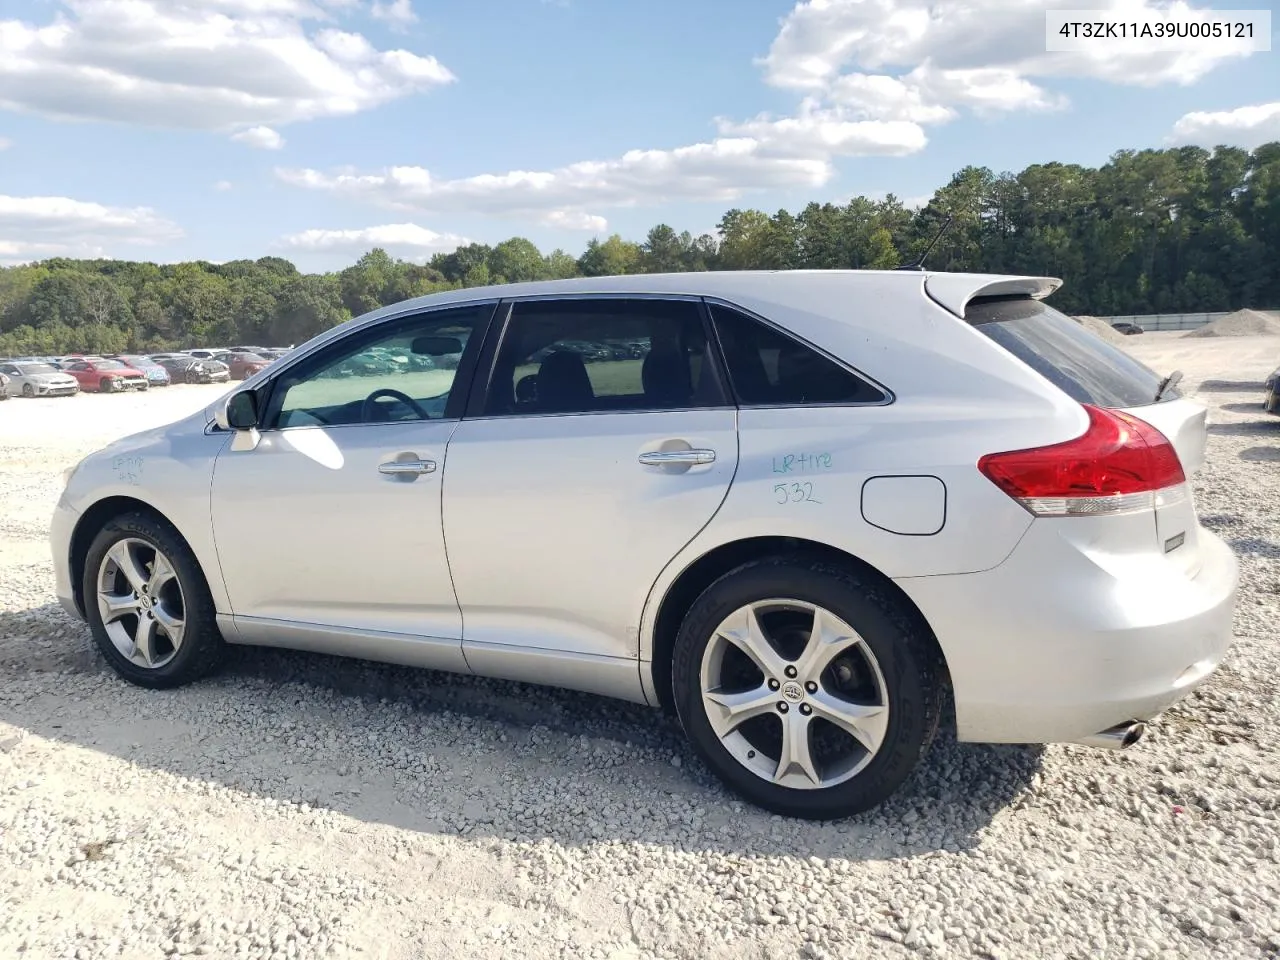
column 87, row 527
column 715, row 563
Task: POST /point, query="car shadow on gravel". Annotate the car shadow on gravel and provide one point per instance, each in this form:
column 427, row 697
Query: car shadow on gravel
column 1260, row 454
column 1227, row 386
column 1246, row 428
column 439, row 753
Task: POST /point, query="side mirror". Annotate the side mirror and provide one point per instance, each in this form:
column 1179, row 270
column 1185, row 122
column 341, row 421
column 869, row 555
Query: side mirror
column 242, row 410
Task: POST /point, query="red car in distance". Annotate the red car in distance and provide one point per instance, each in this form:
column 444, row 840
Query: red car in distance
column 242, row 364
column 95, row 374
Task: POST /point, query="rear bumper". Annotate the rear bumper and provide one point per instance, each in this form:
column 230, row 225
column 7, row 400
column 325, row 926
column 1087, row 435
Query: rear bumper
column 1055, row 644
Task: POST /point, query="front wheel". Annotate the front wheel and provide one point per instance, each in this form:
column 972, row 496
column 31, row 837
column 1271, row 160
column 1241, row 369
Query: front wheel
column 806, row 688
column 106, row 385
column 148, row 604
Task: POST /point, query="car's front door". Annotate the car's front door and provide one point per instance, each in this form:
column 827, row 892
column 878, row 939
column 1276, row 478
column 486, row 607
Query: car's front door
column 602, row 445
column 329, row 528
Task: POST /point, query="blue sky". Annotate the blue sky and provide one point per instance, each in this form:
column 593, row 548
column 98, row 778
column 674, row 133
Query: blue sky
column 315, row 129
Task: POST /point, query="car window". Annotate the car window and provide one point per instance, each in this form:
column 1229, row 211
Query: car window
column 397, row 372
column 1080, row 363
column 79, row 366
column 602, row 355
column 769, row 368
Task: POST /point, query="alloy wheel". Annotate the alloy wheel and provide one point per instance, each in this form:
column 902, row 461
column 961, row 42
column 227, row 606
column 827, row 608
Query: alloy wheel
column 141, row 603
column 795, row 695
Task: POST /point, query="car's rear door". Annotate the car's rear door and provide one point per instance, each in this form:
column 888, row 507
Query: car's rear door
column 330, row 524
column 576, row 476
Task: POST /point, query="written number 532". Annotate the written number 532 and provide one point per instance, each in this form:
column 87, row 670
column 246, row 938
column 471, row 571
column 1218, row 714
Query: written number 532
column 794, row 492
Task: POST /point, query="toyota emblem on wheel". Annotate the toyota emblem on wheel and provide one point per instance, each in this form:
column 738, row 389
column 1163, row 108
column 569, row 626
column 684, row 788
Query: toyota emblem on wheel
column 793, row 691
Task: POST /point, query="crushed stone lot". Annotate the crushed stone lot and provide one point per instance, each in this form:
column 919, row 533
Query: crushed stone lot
column 303, row 806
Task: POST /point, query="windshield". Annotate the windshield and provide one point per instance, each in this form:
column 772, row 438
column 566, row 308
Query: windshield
column 109, row 365
column 1080, row 363
column 28, row 369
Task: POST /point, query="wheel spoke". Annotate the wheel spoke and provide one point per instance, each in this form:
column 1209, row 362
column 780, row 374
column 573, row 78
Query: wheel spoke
column 728, row 711
column 144, row 640
column 113, row 606
column 796, row 759
column 161, row 573
column 172, row 626
column 122, row 556
column 865, row 723
column 829, row 637
column 748, row 635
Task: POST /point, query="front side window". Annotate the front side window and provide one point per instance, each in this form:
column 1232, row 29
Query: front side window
column 769, row 368
column 603, row 356
column 401, row 371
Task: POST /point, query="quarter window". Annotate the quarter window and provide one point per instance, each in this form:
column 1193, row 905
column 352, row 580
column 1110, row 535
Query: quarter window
column 601, row 356
column 769, row 368
column 404, row 370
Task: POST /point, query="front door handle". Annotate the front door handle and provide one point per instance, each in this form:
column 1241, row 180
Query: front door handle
column 407, row 468
column 666, row 458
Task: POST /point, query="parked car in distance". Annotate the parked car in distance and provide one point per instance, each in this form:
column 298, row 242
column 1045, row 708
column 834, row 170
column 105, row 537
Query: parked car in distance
column 31, row 378
column 822, row 506
column 155, row 372
column 242, row 365
column 97, row 374
column 1271, row 393
column 1128, row 329
column 4, row 386
column 187, row 369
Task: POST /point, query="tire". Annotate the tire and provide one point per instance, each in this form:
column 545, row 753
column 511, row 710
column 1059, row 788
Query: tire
column 201, row 648
column 28, row 391
column 889, row 652
column 106, row 385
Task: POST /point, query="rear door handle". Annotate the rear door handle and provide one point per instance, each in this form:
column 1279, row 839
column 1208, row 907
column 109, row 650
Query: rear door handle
column 664, row 458
column 407, row 468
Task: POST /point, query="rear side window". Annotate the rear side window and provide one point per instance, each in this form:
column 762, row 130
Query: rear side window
column 1081, row 364
column 769, row 368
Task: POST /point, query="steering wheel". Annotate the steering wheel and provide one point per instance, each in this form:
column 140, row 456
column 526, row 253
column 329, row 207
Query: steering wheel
column 369, row 405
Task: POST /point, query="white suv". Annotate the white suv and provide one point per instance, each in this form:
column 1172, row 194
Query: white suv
column 792, row 508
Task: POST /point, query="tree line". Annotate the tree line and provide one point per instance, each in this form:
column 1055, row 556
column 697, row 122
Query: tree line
column 1151, row 231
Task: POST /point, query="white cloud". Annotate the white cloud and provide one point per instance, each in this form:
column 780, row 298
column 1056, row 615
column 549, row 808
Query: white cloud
column 221, row 65
column 5, row 143
column 917, row 59
column 759, row 154
column 401, row 239
column 223, row 185
column 1247, row 127
column 264, row 138
column 35, row 227
column 396, row 12
column 576, row 220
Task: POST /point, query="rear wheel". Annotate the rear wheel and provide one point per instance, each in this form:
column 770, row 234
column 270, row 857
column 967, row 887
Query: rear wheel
column 806, row 688
column 148, row 604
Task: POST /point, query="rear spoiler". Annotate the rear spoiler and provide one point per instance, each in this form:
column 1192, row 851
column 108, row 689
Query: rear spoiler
column 953, row 291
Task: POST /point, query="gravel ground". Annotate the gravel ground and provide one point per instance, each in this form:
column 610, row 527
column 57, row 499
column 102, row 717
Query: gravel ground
column 300, row 806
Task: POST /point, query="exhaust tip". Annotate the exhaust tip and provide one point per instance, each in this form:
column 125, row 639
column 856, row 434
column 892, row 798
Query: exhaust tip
column 1120, row 737
column 1133, row 734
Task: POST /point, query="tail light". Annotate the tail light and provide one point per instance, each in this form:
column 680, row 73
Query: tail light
column 1118, row 465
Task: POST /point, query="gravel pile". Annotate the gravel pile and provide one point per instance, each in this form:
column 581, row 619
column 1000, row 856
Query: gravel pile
column 298, row 806
column 1101, row 328
column 1242, row 323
